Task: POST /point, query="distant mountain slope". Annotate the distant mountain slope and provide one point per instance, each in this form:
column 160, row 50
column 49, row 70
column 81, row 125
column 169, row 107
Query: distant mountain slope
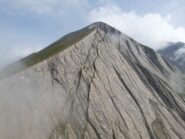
column 175, row 53
column 103, row 86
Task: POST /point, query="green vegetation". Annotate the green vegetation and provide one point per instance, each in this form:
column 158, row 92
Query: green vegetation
column 49, row 51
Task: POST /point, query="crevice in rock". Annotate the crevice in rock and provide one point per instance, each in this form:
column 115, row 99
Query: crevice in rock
column 115, row 106
column 163, row 92
column 88, row 66
column 137, row 103
column 113, row 135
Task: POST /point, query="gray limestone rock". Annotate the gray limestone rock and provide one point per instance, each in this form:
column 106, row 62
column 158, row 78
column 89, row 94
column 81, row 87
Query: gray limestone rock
column 104, row 86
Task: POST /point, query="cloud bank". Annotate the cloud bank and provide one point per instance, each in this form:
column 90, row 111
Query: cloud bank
column 151, row 29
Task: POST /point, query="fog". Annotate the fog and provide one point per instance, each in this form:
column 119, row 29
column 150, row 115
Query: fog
column 30, row 106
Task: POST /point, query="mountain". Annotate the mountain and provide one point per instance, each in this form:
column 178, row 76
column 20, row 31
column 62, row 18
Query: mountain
column 95, row 83
column 175, row 53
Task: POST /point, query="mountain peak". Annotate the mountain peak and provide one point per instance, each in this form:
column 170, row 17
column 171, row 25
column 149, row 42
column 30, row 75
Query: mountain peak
column 98, row 24
column 105, row 27
column 172, row 47
column 176, row 44
column 105, row 86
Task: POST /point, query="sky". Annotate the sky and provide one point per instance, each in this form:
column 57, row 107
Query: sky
column 27, row 26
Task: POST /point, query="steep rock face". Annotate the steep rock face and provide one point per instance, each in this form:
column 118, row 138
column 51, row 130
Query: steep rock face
column 105, row 86
column 175, row 53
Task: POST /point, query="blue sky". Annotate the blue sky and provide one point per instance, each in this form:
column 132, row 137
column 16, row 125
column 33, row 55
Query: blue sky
column 27, row 26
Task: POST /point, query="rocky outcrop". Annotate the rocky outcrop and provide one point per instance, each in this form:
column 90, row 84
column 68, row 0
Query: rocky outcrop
column 105, row 86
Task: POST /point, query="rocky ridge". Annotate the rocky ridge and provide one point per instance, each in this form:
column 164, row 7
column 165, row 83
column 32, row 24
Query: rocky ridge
column 104, row 86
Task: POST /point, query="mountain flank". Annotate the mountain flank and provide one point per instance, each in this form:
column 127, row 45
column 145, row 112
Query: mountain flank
column 96, row 83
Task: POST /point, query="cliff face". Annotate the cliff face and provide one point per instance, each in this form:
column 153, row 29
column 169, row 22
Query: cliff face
column 104, row 86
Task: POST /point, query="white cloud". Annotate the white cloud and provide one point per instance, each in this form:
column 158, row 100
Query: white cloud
column 10, row 54
column 151, row 29
column 19, row 51
column 180, row 51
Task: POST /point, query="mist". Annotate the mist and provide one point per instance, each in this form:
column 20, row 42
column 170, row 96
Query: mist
column 29, row 105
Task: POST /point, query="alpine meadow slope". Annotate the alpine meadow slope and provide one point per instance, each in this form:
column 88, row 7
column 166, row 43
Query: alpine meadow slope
column 103, row 85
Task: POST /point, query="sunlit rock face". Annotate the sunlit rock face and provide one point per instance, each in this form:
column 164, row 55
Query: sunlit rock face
column 105, row 86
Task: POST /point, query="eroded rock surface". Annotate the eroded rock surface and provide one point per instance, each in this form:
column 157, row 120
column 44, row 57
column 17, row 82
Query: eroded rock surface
column 106, row 86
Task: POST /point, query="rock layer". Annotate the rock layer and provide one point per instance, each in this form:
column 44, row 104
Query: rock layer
column 105, row 86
